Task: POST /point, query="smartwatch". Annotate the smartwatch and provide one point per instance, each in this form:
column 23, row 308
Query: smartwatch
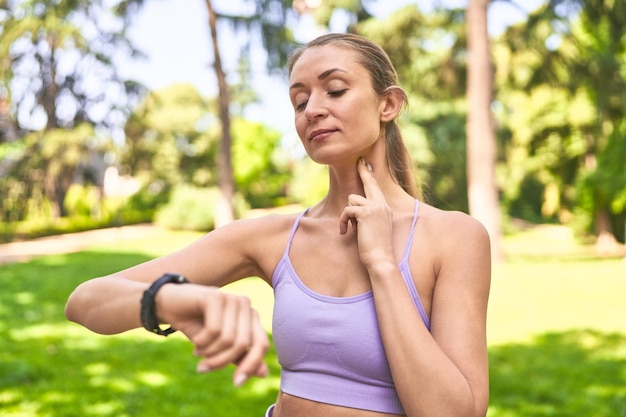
column 148, row 304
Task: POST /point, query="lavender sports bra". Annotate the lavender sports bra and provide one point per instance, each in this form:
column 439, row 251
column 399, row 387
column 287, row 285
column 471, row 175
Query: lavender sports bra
column 330, row 348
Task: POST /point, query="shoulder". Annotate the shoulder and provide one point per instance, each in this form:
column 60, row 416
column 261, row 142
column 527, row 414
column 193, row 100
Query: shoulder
column 242, row 248
column 455, row 235
column 452, row 225
column 250, row 232
column 272, row 221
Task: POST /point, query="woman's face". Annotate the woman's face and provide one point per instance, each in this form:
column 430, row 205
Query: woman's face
column 337, row 112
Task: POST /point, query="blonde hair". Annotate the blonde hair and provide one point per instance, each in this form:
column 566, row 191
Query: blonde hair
column 383, row 76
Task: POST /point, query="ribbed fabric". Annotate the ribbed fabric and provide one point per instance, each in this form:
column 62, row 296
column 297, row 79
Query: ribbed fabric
column 330, row 348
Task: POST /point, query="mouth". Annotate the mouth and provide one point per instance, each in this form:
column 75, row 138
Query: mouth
column 320, row 134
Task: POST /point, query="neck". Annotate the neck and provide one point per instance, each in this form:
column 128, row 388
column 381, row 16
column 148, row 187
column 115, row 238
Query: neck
column 345, row 180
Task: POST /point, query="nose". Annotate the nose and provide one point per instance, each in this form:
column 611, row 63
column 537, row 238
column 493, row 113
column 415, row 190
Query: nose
column 315, row 108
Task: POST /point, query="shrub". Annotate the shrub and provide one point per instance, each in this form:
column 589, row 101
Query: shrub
column 309, row 183
column 192, row 208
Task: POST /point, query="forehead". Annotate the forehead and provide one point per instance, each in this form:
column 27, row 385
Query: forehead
column 318, row 59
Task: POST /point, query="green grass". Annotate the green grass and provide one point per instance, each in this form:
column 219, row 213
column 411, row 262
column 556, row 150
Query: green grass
column 557, row 341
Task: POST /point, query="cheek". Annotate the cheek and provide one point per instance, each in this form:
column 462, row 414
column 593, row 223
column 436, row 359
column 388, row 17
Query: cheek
column 368, row 126
column 300, row 124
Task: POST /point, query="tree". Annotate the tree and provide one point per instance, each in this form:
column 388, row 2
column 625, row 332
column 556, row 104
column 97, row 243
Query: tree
column 261, row 168
column 323, row 11
column 269, row 18
column 45, row 163
column 224, row 211
column 562, row 84
column 57, row 74
column 429, row 53
column 172, row 142
column 600, row 43
column 481, row 140
column 172, row 137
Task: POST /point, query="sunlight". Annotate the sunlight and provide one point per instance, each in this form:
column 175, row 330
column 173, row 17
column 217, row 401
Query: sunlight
column 106, row 409
column 24, row 298
column 264, row 386
column 153, row 379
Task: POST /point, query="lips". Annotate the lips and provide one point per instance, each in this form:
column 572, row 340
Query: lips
column 320, row 133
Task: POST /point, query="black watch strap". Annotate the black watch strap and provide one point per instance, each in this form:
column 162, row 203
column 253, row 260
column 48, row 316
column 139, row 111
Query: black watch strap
column 148, row 304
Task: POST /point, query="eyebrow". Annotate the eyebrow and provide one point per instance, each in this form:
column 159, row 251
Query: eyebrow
column 320, row 77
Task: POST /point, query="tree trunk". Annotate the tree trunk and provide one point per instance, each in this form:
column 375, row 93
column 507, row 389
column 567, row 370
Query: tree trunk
column 606, row 242
column 224, row 210
column 481, row 139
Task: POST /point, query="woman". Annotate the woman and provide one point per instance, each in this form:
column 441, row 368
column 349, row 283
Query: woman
column 380, row 299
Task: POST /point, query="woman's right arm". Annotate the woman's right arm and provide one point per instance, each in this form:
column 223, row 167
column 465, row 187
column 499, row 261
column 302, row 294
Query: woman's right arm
column 223, row 327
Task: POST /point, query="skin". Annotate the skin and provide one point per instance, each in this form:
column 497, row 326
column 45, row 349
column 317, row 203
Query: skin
column 347, row 244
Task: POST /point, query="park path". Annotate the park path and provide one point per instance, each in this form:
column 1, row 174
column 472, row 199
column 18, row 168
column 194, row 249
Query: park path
column 72, row 242
column 75, row 242
column 551, row 240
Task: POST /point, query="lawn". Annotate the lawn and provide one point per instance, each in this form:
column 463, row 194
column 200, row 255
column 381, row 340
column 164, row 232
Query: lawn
column 557, row 340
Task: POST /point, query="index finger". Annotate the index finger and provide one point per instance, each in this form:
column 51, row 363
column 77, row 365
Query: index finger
column 370, row 186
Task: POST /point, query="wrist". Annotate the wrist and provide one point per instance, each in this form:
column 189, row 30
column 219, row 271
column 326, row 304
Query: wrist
column 149, row 317
column 382, row 268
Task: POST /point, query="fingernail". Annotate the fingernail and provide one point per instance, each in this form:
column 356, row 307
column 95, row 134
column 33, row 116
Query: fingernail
column 240, row 379
column 203, row 368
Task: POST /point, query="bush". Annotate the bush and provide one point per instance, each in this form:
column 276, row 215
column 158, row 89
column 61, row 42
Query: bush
column 310, row 182
column 192, row 208
column 141, row 207
column 82, row 200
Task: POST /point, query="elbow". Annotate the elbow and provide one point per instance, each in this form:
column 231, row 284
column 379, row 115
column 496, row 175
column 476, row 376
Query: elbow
column 78, row 304
column 479, row 405
column 72, row 312
column 482, row 409
column 472, row 409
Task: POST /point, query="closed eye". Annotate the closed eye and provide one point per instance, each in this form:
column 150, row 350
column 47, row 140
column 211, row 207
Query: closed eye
column 337, row 93
column 334, row 93
column 301, row 105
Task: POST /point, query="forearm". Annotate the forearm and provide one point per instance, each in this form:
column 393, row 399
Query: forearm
column 428, row 382
column 107, row 305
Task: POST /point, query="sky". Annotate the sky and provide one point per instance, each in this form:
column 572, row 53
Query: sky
column 174, row 35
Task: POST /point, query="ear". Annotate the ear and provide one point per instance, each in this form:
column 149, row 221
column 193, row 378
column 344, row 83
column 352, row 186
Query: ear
column 392, row 103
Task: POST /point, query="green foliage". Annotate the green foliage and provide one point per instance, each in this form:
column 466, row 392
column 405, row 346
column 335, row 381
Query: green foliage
column 41, row 167
column 82, row 200
column 172, row 138
column 192, row 208
column 144, row 203
column 559, row 107
column 354, row 9
column 261, row 171
column 40, row 227
column 310, row 182
column 56, row 51
column 428, row 52
column 605, row 186
column 561, row 86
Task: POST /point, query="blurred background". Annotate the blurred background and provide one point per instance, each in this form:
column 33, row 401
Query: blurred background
column 151, row 122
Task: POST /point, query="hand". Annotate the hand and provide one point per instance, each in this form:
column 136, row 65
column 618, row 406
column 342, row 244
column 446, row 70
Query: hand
column 371, row 219
column 223, row 328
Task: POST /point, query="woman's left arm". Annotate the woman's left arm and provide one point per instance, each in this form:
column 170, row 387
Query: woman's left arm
column 443, row 372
